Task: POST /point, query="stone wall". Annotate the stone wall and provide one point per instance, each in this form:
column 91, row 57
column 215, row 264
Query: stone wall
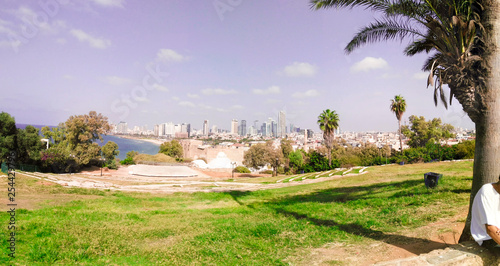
column 193, row 149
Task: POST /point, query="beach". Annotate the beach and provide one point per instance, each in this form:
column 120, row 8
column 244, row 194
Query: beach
column 150, row 140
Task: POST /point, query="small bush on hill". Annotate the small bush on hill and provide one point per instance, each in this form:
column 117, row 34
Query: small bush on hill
column 242, row 170
column 127, row 161
column 157, row 158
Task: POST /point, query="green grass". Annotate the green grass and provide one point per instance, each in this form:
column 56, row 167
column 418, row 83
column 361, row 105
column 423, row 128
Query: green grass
column 268, row 227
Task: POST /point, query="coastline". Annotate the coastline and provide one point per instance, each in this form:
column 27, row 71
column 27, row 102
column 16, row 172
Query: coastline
column 154, row 141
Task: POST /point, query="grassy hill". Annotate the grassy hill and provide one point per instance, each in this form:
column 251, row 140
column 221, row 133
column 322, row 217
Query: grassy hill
column 58, row 225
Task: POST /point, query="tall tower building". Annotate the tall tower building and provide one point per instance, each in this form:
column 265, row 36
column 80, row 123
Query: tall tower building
column 263, row 131
column 243, row 128
column 205, row 128
column 234, row 126
column 281, row 124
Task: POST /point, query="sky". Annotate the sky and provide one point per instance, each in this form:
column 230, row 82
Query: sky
column 186, row 61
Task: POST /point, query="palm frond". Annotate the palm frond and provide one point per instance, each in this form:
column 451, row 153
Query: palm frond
column 368, row 4
column 382, row 30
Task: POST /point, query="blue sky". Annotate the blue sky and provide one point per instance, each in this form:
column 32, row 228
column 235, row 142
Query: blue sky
column 185, row 61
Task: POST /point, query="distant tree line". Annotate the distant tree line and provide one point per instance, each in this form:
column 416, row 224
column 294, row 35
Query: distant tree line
column 71, row 145
column 424, row 139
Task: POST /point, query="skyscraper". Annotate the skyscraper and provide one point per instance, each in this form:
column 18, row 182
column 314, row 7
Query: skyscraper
column 281, row 124
column 205, row 128
column 243, row 128
column 234, row 126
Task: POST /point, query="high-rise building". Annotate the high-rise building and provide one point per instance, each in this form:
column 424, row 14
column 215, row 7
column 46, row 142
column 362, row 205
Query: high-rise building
column 122, row 127
column 186, row 128
column 243, row 128
column 214, row 129
column 234, row 126
column 281, row 124
column 263, row 131
column 205, row 128
column 169, row 130
column 269, row 127
column 274, row 129
column 156, row 130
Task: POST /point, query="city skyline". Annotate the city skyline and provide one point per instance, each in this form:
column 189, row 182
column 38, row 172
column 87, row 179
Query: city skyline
column 189, row 61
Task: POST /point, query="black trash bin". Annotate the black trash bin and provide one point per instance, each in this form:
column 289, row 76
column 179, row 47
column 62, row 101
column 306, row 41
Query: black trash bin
column 431, row 179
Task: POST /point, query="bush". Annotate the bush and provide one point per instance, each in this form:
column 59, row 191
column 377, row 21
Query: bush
column 157, row 158
column 127, row 161
column 267, row 172
column 111, row 165
column 242, row 170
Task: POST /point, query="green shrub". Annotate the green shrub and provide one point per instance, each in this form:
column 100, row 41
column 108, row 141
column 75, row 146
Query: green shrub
column 241, row 169
column 267, row 172
column 111, row 165
column 127, row 161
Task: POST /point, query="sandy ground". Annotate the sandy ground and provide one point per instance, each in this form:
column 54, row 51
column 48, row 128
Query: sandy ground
column 155, row 141
column 171, row 179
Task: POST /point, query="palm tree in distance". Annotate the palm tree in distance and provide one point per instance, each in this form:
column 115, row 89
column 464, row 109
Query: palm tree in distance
column 328, row 121
column 398, row 107
column 464, row 38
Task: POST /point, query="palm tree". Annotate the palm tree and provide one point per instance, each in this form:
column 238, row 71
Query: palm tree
column 398, row 107
column 464, row 39
column 328, row 121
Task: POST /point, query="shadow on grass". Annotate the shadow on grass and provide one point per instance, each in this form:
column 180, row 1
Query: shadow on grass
column 346, row 194
column 414, row 245
column 392, row 191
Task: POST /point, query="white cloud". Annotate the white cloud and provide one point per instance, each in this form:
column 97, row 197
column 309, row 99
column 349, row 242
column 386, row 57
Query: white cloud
column 68, row 77
column 175, row 98
column 222, row 110
column 117, row 81
column 61, row 41
column 308, row 93
column 217, row 92
column 92, row 41
column 168, row 55
column 270, row 90
column 369, row 63
column 141, row 99
column 421, row 75
column 187, row 104
column 298, row 69
column 159, row 87
column 109, row 3
column 237, row 107
column 10, row 44
column 194, row 96
column 34, row 19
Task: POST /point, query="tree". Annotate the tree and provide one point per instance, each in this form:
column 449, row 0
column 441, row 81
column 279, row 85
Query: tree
column 274, row 157
column 8, row 133
column 172, row 148
column 261, row 154
column 85, row 129
column 421, row 132
column 75, row 139
column 296, row 159
column 29, row 145
column 256, row 156
column 398, row 107
column 110, row 150
column 464, row 38
column 286, row 149
column 328, row 121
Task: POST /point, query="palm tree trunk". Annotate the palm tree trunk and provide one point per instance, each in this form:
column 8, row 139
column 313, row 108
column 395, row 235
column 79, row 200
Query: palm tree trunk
column 487, row 156
column 487, row 151
column 400, row 137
